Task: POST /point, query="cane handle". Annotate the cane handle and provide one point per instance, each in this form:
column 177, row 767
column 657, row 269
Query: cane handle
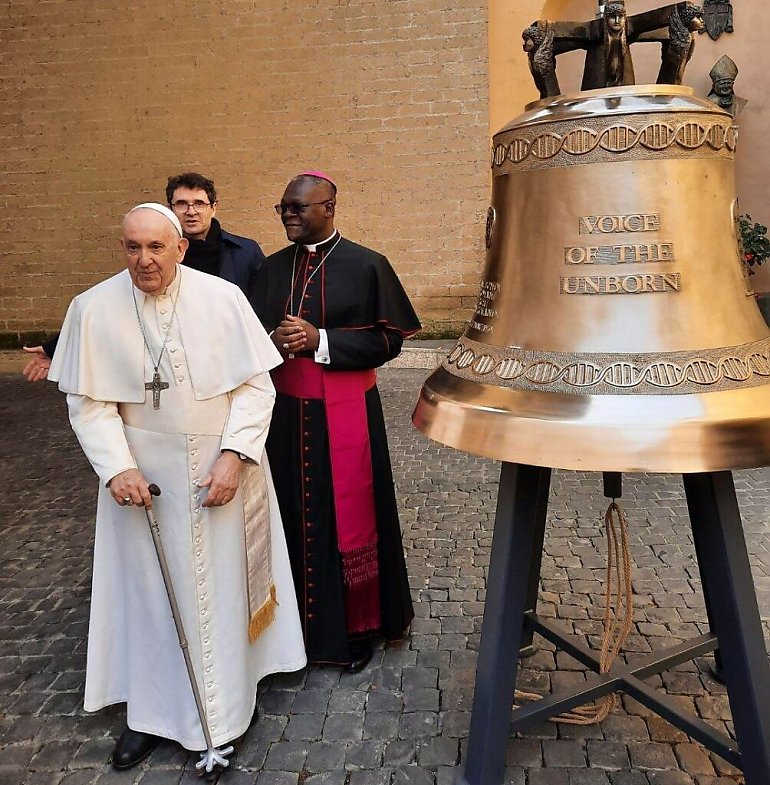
column 153, row 489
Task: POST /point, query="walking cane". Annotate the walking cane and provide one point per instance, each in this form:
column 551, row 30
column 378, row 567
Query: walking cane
column 212, row 757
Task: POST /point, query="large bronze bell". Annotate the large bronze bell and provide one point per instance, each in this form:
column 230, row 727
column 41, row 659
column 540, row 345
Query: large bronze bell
column 615, row 327
column 615, row 330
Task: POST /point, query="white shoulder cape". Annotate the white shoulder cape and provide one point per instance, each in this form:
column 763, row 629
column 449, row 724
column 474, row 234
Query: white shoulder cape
column 101, row 353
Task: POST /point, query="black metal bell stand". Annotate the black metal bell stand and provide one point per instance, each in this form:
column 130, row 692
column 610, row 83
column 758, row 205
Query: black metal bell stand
column 511, row 619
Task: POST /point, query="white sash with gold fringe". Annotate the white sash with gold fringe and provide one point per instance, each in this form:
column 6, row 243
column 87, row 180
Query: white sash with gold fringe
column 256, row 514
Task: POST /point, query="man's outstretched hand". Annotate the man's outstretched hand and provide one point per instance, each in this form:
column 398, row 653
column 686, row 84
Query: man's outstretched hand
column 37, row 368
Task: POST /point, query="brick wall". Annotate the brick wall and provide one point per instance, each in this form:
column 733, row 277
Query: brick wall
column 100, row 102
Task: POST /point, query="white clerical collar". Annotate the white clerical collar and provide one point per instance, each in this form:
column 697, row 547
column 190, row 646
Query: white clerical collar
column 313, row 247
column 171, row 289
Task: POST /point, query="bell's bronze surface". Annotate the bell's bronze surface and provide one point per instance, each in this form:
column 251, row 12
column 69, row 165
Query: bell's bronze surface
column 615, row 328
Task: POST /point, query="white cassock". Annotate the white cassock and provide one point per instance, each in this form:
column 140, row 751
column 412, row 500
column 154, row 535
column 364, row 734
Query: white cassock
column 216, row 361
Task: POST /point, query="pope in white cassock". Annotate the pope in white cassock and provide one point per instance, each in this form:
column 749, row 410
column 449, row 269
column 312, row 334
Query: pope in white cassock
column 166, row 374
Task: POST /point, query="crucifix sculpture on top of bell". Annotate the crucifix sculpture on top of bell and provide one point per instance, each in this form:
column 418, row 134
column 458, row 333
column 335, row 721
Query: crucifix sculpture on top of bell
column 607, row 41
column 615, row 331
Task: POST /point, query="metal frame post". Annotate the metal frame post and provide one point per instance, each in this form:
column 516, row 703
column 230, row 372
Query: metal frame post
column 508, row 592
column 536, row 560
column 733, row 612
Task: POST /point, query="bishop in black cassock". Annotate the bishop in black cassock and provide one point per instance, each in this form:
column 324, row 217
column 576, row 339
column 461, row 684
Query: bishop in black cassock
column 335, row 311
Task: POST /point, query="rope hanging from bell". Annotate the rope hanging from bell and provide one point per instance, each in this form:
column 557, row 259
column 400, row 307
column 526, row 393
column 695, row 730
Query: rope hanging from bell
column 618, row 607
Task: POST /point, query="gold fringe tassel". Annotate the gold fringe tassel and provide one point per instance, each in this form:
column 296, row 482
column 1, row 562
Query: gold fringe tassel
column 263, row 617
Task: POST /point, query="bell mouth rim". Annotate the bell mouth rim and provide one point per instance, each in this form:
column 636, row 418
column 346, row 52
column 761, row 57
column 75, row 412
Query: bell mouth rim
column 640, row 89
column 680, row 434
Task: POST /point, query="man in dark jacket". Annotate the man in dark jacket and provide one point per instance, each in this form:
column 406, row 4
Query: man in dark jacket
column 212, row 250
column 193, row 198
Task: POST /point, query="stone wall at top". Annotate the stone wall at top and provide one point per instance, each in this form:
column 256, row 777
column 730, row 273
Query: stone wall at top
column 101, row 102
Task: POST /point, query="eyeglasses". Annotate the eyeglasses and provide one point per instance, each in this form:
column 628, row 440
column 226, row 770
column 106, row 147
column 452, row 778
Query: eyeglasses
column 298, row 208
column 197, row 206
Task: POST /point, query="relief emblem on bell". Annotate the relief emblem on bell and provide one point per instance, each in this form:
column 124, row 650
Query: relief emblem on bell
column 490, row 227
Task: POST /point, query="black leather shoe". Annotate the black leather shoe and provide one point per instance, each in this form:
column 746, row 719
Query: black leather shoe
column 360, row 654
column 133, row 747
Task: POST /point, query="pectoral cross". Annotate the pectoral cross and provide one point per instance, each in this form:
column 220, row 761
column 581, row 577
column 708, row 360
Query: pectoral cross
column 156, row 385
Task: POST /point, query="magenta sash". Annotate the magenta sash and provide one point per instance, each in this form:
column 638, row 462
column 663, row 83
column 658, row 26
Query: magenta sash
column 352, row 476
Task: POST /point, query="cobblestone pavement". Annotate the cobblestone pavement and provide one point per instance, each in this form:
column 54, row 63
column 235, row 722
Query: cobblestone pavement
column 404, row 719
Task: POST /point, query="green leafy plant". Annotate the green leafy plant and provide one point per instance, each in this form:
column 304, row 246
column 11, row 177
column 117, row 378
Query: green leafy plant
column 754, row 242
